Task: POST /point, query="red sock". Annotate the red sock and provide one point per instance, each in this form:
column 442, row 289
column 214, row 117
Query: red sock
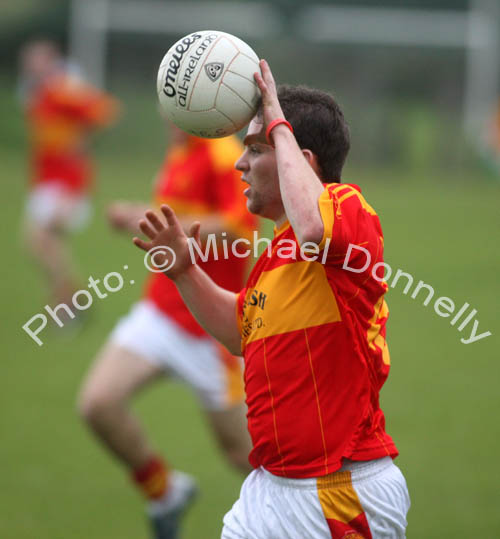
column 152, row 478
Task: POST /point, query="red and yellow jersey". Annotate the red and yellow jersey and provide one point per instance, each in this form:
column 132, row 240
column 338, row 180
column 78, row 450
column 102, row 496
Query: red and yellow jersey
column 199, row 179
column 60, row 114
column 313, row 336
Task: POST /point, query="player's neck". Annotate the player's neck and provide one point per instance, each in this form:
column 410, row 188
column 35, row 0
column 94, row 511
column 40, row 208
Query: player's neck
column 278, row 223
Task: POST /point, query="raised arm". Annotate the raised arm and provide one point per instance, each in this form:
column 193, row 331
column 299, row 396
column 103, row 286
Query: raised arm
column 213, row 306
column 300, row 186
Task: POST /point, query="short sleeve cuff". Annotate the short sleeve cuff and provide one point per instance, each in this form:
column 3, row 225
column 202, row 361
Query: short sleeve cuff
column 326, row 209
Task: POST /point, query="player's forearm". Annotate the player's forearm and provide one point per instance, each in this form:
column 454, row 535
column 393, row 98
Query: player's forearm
column 213, row 307
column 136, row 214
column 300, row 187
column 125, row 216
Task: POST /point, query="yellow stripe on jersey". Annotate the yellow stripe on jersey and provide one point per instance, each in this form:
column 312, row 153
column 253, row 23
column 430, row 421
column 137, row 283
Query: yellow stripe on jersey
column 373, row 334
column 347, row 195
column 317, row 401
column 326, row 207
column 277, row 304
column 326, row 210
column 273, row 409
column 365, row 204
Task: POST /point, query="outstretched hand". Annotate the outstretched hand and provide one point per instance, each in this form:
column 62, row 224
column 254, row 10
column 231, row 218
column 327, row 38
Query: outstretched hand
column 271, row 108
column 169, row 245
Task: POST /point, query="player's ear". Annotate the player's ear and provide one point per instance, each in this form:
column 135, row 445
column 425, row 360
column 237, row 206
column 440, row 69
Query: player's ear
column 312, row 160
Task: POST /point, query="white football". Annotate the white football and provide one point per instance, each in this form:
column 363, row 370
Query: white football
column 206, row 86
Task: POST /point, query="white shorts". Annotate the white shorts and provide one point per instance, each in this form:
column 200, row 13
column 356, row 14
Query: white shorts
column 215, row 375
column 362, row 500
column 52, row 205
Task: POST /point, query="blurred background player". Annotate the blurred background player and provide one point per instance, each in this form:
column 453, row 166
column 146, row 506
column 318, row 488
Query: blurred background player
column 61, row 111
column 160, row 337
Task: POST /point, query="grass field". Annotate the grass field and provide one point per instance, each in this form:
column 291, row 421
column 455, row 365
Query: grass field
column 441, row 400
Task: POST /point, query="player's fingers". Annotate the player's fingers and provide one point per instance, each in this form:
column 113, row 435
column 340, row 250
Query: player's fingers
column 267, row 89
column 155, row 220
column 268, row 80
column 170, row 216
column 260, row 82
column 194, row 231
column 193, row 227
column 145, row 246
column 264, row 68
column 266, row 73
column 147, row 230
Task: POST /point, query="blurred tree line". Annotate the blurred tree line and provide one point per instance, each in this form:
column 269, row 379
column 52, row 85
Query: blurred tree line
column 403, row 103
column 23, row 19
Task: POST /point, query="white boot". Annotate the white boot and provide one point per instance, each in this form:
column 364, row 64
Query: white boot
column 166, row 513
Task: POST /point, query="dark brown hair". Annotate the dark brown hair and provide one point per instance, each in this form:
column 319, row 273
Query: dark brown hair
column 318, row 125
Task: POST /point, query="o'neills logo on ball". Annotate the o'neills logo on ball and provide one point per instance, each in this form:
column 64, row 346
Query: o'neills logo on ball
column 170, row 88
column 175, row 62
column 214, row 70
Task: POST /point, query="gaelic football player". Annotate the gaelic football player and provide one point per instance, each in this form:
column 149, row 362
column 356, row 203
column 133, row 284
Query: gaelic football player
column 314, row 342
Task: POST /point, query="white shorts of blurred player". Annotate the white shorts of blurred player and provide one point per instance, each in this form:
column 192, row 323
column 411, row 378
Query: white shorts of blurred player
column 362, row 500
column 215, row 376
column 52, row 205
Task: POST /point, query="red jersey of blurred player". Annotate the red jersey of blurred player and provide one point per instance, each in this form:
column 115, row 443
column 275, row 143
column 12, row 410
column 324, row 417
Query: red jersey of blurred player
column 160, row 336
column 61, row 111
column 198, row 178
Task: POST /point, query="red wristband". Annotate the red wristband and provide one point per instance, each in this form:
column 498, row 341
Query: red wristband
column 272, row 125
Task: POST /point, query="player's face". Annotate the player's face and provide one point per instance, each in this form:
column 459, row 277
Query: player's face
column 40, row 60
column 258, row 165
